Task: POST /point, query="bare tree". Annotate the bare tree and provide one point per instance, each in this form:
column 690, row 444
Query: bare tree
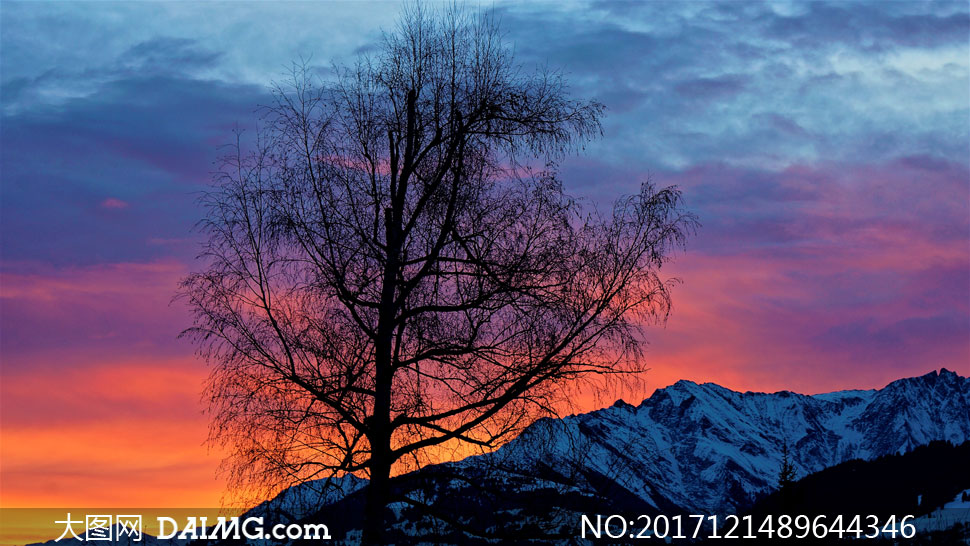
column 388, row 271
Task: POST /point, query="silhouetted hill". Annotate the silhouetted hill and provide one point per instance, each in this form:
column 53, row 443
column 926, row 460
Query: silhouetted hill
column 914, row 483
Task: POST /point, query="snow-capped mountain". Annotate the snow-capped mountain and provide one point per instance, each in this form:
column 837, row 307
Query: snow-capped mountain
column 697, row 448
column 692, row 448
column 707, row 449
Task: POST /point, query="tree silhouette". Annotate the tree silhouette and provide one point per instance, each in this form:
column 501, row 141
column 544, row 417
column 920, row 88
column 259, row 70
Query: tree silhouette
column 395, row 266
column 787, row 474
column 786, row 477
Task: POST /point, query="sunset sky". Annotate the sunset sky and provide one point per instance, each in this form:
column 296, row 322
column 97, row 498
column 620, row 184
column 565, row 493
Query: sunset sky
column 825, row 148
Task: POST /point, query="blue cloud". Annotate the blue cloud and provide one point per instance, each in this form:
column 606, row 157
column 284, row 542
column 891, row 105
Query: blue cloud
column 821, row 82
column 693, row 89
column 824, row 145
column 149, row 142
column 872, row 26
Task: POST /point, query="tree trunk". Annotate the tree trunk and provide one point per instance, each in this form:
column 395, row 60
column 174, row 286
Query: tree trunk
column 379, row 436
column 378, row 493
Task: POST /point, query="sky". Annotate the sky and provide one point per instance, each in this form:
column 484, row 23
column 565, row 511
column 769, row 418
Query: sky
column 824, row 147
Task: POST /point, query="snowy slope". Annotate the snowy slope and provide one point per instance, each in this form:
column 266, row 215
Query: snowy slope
column 705, row 448
column 297, row 502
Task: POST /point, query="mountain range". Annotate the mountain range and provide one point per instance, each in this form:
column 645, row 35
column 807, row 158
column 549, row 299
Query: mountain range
column 688, row 448
column 707, row 449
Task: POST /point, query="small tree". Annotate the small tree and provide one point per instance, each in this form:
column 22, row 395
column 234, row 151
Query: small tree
column 396, row 266
column 787, row 474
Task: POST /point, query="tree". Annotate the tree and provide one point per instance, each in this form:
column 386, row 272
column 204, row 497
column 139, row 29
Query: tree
column 395, row 266
column 787, row 474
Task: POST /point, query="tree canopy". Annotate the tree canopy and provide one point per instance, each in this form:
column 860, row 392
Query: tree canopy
column 394, row 264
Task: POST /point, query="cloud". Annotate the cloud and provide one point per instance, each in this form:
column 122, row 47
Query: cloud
column 57, row 315
column 113, row 203
column 866, row 342
column 707, row 88
column 873, row 27
column 825, row 143
column 168, row 55
column 68, row 50
column 149, row 142
column 822, row 276
column 756, row 85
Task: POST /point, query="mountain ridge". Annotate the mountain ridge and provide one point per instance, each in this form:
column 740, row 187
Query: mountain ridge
column 713, row 441
column 687, row 448
column 704, row 448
